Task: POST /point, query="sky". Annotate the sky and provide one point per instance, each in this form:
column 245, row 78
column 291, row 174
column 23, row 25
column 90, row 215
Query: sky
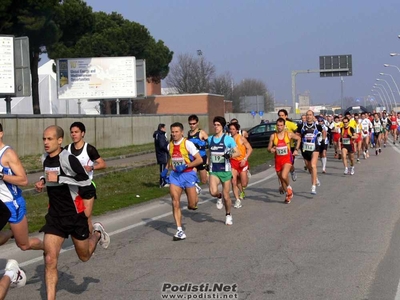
column 268, row 39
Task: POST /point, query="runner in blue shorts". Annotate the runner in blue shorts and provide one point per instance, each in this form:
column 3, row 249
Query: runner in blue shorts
column 182, row 176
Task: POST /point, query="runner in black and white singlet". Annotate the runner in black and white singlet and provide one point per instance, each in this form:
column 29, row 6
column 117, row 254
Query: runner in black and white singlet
column 66, row 217
column 90, row 159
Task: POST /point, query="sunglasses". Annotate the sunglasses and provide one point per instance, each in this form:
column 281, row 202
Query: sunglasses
column 192, row 123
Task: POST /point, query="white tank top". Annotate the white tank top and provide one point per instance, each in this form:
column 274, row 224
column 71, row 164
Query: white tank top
column 84, row 158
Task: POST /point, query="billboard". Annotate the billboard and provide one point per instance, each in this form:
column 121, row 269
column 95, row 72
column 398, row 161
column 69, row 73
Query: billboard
column 336, row 65
column 96, row 78
column 7, row 68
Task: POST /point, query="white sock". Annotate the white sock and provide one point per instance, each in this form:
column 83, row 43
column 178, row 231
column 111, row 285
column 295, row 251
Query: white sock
column 179, row 228
column 10, row 274
column 323, row 163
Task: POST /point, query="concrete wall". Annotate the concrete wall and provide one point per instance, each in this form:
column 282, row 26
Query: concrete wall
column 24, row 133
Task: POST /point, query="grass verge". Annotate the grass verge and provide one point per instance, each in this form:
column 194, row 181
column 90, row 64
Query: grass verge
column 119, row 190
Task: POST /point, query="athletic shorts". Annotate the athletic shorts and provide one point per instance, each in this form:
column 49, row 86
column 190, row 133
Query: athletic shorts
column 235, row 164
column 359, row 139
column 393, row 127
column 307, row 155
column 281, row 160
column 349, row 148
column 336, row 137
column 17, row 209
column 75, row 225
column 223, row 176
column 88, row 192
column 183, row 180
column 322, row 148
column 376, row 134
column 203, row 164
column 5, row 215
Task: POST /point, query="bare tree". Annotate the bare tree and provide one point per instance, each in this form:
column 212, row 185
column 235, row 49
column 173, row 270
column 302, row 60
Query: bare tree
column 223, row 85
column 191, row 74
column 251, row 87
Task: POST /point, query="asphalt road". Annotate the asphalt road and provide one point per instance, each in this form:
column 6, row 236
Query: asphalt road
column 339, row 244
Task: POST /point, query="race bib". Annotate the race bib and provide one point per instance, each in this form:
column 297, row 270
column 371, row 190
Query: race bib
column 217, row 159
column 377, row 128
column 308, row 146
column 282, row 150
column 394, row 123
column 346, row 141
column 177, row 161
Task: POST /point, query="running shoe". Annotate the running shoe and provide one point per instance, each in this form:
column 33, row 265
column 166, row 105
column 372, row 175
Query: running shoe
column 165, row 185
column 380, row 150
column 198, row 189
column 179, row 235
column 294, row 175
column 376, row 152
column 365, row 155
column 289, row 194
column 340, row 156
column 228, row 220
column 288, row 200
column 104, row 240
column 323, row 171
column 19, row 278
column 238, row 203
column 313, row 190
column 358, row 160
column 220, row 205
column 346, row 171
column 318, row 182
column 242, row 195
column 384, row 145
column 352, row 171
column 336, row 155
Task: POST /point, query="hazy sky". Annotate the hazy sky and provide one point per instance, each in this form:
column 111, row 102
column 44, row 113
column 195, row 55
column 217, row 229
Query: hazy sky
column 267, row 39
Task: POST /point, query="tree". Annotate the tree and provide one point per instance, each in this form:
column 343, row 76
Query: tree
column 251, row 87
column 191, row 75
column 223, row 85
column 110, row 35
column 34, row 19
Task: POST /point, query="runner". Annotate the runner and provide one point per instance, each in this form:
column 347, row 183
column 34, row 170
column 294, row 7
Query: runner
column 348, row 133
column 222, row 148
column 393, row 126
column 358, row 140
column 310, row 147
column 90, row 159
column 66, row 216
column 377, row 130
column 280, row 144
column 290, row 126
column 385, row 129
column 239, row 165
column 183, row 176
column 366, row 128
column 335, row 129
column 242, row 132
column 12, row 175
column 323, row 144
column 199, row 138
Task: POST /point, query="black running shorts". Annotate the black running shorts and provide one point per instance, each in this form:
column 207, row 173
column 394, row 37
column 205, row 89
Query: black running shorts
column 76, row 226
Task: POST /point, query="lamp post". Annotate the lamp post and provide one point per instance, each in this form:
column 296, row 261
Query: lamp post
column 398, row 91
column 375, row 89
column 394, row 54
column 391, row 91
column 377, row 95
column 387, row 65
column 382, row 88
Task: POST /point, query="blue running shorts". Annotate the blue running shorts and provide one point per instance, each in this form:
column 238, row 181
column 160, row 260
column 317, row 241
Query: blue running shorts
column 17, row 209
column 184, row 179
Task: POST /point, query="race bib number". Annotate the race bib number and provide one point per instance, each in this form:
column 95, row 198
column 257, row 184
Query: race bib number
column 308, row 146
column 217, row 159
column 394, row 123
column 177, row 162
column 346, row 141
column 282, row 150
column 365, row 128
column 377, row 128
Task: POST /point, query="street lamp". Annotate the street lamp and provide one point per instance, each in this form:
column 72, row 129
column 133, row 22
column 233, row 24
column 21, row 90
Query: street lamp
column 375, row 89
column 383, row 74
column 383, row 90
column 394, row 54
column 394, row 99
column 387, row 65
column 376, row 93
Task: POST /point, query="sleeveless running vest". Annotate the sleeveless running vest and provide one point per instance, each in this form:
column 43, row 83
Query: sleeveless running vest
column 198, row 142
column 218, row 163
column 179, row 154
column 241, row 147
column 282, row 146
column 309, row 136
column 84, row 158
column 8, row 192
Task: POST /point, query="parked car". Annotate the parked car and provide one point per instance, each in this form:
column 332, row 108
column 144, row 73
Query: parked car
column 259, row 135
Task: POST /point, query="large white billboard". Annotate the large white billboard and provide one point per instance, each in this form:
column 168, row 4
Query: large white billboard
column 7, row 69
column 96, row 78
